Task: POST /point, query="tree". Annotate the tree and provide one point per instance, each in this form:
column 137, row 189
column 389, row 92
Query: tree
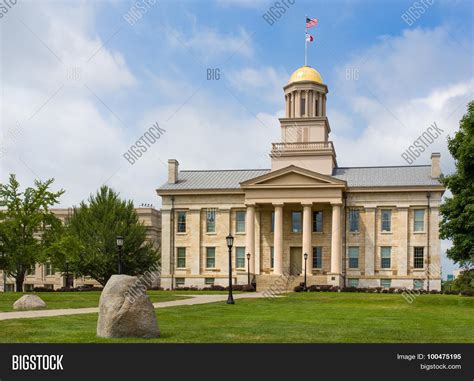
column 27, row 226
column 89, row 243
column 458, row 211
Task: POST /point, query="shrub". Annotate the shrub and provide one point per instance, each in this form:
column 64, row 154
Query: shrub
column 248, row 288
column 349, row 289
column 467, row 293
column 298, row 289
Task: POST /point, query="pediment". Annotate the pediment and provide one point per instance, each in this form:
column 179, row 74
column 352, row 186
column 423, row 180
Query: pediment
column 292, row 176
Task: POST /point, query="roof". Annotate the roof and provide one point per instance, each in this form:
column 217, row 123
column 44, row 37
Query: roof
column 354, row 176
column 218, row 179
column 414, row 175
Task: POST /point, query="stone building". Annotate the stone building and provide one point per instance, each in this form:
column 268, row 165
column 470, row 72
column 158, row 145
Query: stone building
column 44, row 275
column 358, row 226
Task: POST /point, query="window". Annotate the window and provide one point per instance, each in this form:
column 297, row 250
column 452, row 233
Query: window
column 419, row 220
column 354, row 220
column 385, row 256
column 272, row 226
column 181, row 262
column 302, row 106
column 353, row 282
column 296, row 222
column 31, row 270
column 386, row 220
column 272, row 257
column 49, row 269
column 418, row 284
column 418, row 258
column 211, row 221
column 240, row 257
column 353, row 257
column 317, row 257
column 209, row 281
column 179, row 282
column 240, row 222
column 181, row 222
column 317, row 222
column 29, row 287
column 385, row 283
column 210, row 257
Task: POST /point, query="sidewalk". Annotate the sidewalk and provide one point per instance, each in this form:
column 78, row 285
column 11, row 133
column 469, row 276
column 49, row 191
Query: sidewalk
column 193, row 300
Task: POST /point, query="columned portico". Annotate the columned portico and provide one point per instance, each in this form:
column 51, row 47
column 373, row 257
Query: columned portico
column 336, row 244
column 307, row 244
column 250, row 236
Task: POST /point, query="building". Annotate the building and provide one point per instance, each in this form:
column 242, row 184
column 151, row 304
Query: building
column 44, row 275
column 359, row 226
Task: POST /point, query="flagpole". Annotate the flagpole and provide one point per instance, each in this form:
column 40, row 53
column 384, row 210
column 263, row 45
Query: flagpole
column 305, row 42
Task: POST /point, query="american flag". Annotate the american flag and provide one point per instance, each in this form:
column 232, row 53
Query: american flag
column 311, row 22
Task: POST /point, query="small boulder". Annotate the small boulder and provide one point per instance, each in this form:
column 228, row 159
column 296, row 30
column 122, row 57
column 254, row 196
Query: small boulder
column 29, row 302
column 125, row 310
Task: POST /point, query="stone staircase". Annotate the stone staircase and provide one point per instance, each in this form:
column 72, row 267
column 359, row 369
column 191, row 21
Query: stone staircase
column 278, row 283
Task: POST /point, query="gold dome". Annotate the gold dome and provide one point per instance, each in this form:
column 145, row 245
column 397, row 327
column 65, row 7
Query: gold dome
column 305, row 73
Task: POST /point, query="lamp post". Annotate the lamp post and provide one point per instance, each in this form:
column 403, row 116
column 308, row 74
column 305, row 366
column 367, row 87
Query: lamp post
column 3, row 254
column 305, row 260
column 119, row 240
column 230, row 243
column 248, row 268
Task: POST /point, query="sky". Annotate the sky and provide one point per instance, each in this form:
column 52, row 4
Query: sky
column 82, row 81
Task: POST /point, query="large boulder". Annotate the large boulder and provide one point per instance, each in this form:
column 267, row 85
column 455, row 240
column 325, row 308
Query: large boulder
column 29, row 302
column 125, row 310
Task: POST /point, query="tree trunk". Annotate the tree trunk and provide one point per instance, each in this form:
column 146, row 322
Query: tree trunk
column 19, row 279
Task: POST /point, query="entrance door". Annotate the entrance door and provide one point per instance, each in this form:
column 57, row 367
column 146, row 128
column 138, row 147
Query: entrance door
column 295, row 260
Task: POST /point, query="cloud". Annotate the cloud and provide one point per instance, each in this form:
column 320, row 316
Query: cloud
column 207, row 43
column 265, row 81
column 248, row 4
column 62, row 130
column 406, row 83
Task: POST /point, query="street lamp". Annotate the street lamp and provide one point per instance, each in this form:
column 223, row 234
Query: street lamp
column 248, row 268
column 4, row 265
column 230, row 243
column 119, row 240
column 305, row 260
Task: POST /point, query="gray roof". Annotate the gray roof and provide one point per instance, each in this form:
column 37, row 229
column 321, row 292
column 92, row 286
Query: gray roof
column 354, row 176
column 219, row 179
column 414, row 175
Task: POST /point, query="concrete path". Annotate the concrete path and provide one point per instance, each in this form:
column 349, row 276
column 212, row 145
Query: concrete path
column 193, row 300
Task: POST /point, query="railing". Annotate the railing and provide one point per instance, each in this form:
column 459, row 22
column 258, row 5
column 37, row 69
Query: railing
column 307, row 146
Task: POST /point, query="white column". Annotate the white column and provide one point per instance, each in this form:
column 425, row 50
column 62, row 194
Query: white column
column 258, row 230
column 287, row 105
column 278, row 240
column 307, row 244
column 324, row 105
column 298, row 104
column 320, row 105
column 336, row 239
column 306, row 103
column 250, row 236
column 293, row 102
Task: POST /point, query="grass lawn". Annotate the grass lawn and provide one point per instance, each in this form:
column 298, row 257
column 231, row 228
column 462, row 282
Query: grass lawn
column 297, row 318
column 82, row 299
